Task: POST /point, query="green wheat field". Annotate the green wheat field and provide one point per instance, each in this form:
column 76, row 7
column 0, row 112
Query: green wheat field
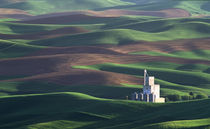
column 73, row 64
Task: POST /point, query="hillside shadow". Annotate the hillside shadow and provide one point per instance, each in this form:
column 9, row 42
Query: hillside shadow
column 146, row 6
column 102, row 91
column 26, row 29
column 206, row 6
column 55, row 108
column 19, row 5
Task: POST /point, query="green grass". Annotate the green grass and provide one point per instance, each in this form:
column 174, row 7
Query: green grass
column 102, row 91
column 60, row 124
column 7, row 19
column 9, row 77
column 10, row 49
column 194, row 54
column 37, row 105
column 111, row 22
column 8, row 87
column 193, row 7
column 202, row 123
column 20, row 28
column 160, row 25
column 34, row 87
column 49, row 6
column 128, row 32
column 173, row 78
column 18, row 47
column 117, row 31
column 182, row 76
column 94, row 24
column 117, row 36
column 76, row 110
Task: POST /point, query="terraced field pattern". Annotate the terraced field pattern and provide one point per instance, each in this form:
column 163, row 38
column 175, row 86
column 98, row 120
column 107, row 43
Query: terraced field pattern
column 73, row 64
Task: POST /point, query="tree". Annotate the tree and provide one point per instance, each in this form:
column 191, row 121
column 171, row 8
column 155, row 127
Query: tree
column 191, row 97
column 186, row 97
column 201, row 96
column 174, row 97
column 167, row 100
column 191, row 93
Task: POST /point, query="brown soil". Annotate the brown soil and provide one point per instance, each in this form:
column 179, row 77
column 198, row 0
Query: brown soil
column 13, row 13
column 58, row 68
column 175, row 12
column 165, row 46
column 60, row 19
column 161, row 46
column 81, row 77
column 168, row 13
column 55, row 65
column 68, row 17
column 46, row 34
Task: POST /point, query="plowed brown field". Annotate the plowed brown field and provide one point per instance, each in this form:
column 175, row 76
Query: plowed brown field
column 13, row 13
column 76, row 16
column 55, row 64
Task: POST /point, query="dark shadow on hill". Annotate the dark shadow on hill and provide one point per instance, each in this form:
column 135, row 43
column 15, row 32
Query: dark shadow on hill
column 19, row 5
column 102, row 91
column 103, row 113
column 194, row 20
column 26, row 29
column 146, row 7
column 206, row 6
column 174, row 77
column 152, row 27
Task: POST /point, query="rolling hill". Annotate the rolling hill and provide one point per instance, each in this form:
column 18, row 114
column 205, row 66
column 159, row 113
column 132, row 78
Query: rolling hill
column 194, row 7
column 48, row 6
column 16, row 28
column 11, row 49
column 153, row 30
column 78, row 69
column 76, row 110
column 198, row 72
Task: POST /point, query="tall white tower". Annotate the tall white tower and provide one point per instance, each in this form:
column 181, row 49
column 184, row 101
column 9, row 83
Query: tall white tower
column 151, row 91
column 150, row 88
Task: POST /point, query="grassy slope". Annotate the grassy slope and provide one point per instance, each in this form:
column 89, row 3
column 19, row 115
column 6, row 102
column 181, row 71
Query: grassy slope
column 79, row 111
column 109, row 22
column 48, row 6
column 20, row 28
column 7, row 19
column 194, row 7
column 173, row 78
column 18, row 47
column 118, row 30
column 152, row 30
column 195, row 54
column 103, row 37
column 76, row 110
column 6, row 2
column 13, row 48
column 10, row 49
column 93, row 24
column 102, row 91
